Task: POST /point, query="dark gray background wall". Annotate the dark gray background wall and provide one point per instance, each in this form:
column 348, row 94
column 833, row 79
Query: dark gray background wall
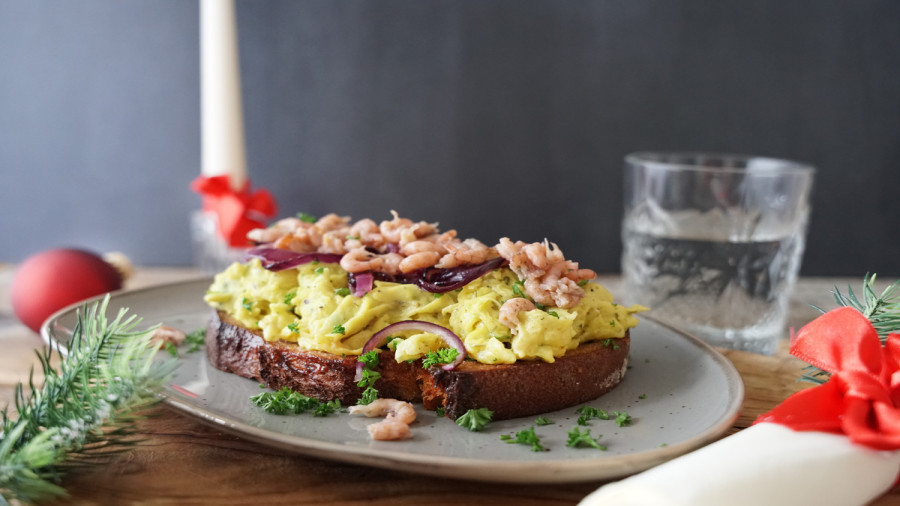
column 497, row 118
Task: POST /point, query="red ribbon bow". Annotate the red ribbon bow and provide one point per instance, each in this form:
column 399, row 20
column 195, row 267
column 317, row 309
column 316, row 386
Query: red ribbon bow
column 238, row 211
column 862, row 396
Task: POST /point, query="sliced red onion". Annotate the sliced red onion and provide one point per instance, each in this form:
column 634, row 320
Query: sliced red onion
column 436, row 280
column 361, row 283
column 380, row 338
column 277, row 259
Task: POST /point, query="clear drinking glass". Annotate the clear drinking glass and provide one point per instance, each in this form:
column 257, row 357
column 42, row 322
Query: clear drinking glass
column 713, row 242
column 211, row 253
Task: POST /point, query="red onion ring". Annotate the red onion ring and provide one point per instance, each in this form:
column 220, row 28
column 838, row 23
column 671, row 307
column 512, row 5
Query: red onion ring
column 380, row 338
column 434, row 279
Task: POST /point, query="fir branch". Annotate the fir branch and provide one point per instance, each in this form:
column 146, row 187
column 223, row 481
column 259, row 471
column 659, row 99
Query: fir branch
column 882, row 310
column 85, row 409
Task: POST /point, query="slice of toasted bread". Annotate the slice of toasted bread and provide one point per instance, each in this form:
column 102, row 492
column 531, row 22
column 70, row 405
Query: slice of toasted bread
column 525, row 388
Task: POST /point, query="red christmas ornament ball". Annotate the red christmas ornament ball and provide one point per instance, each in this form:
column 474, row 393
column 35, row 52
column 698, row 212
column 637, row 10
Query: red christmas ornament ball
column 51, row 280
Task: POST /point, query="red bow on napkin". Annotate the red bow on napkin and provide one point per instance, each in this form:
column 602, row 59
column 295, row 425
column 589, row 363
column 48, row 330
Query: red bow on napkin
column 238, row 211
column 862, row 396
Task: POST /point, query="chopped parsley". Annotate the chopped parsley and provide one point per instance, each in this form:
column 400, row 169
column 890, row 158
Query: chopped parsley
column 553, row 314
column 441, row 356
column 247, row 304
column 518, row 288
column 294, row 327
column 327, row 408
column 286, row 402
column 622, row 418
column 289, row 297
column 390, row 339
column 195, row 340
column 319, row 270
column 525, row 437
column 439, row 411
column 610, row 342
column 588, row 413
column 542, row 420
column 170, row 347
column 338, row 329
column 578, row 439
column 369, row 377
column 475, row 419
column 306, row 217
column 343, row 291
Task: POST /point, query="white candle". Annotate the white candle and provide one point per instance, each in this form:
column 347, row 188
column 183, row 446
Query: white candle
column 222, row 119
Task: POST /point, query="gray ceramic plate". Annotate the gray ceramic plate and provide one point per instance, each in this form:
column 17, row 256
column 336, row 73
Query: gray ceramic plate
column 680, row 393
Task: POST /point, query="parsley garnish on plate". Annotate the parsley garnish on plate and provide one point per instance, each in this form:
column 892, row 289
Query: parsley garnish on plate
column 578, row 439
column 622, row 418
column 286, row 402
column 588, row 413
column 475, row 419
column 525, row 437
column 195, row 340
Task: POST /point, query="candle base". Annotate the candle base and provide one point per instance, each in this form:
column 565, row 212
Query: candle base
column 211, row 253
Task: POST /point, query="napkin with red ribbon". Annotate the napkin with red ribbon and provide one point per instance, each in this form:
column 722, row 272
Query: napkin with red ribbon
column 862, row 398
column 237, row 211
column 835, row 443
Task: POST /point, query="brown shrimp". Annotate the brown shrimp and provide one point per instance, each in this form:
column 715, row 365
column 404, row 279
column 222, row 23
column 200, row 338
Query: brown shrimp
column 509, row 312
column 361, row 260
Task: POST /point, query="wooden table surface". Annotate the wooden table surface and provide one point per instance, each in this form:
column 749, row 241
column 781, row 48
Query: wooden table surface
column 187, row 462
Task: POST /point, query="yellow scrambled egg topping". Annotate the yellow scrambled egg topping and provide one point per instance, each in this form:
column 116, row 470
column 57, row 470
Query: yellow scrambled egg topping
column 312, row 306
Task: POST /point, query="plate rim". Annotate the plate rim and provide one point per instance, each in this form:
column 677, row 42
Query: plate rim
column 527, row 471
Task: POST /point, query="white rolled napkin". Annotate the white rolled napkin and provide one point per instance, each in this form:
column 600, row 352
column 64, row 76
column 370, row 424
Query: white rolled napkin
column 764, row 464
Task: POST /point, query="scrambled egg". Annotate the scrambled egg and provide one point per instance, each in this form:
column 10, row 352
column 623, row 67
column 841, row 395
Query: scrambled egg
column 312, row 306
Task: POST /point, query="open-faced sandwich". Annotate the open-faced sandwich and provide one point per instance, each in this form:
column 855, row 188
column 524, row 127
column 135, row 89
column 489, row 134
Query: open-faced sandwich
column 454, row 324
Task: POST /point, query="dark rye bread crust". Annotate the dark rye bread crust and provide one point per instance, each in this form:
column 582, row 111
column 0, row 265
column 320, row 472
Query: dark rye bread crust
column 525, row 388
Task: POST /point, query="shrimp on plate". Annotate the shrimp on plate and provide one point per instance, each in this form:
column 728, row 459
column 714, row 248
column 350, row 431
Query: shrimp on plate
column 398, row 416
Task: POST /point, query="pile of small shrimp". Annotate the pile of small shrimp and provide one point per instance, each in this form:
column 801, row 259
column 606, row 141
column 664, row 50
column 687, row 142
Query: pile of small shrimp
column 398, row 416
column 400, row 246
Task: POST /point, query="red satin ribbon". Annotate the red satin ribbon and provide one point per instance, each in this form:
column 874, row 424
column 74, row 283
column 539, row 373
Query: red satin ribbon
column 238, row 211
column 862, row 397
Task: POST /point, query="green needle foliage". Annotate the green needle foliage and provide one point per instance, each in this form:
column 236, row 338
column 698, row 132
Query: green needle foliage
column 882, row 310
column 86, row 408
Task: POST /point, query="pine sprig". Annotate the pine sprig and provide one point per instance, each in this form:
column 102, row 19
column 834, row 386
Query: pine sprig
column 86, row 407
column 882, row 310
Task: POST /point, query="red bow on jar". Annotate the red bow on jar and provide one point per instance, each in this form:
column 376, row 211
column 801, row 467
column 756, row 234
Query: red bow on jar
column 237, row 211
column 861, row 399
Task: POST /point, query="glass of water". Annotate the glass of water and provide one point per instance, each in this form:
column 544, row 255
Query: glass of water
column 713, row 242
